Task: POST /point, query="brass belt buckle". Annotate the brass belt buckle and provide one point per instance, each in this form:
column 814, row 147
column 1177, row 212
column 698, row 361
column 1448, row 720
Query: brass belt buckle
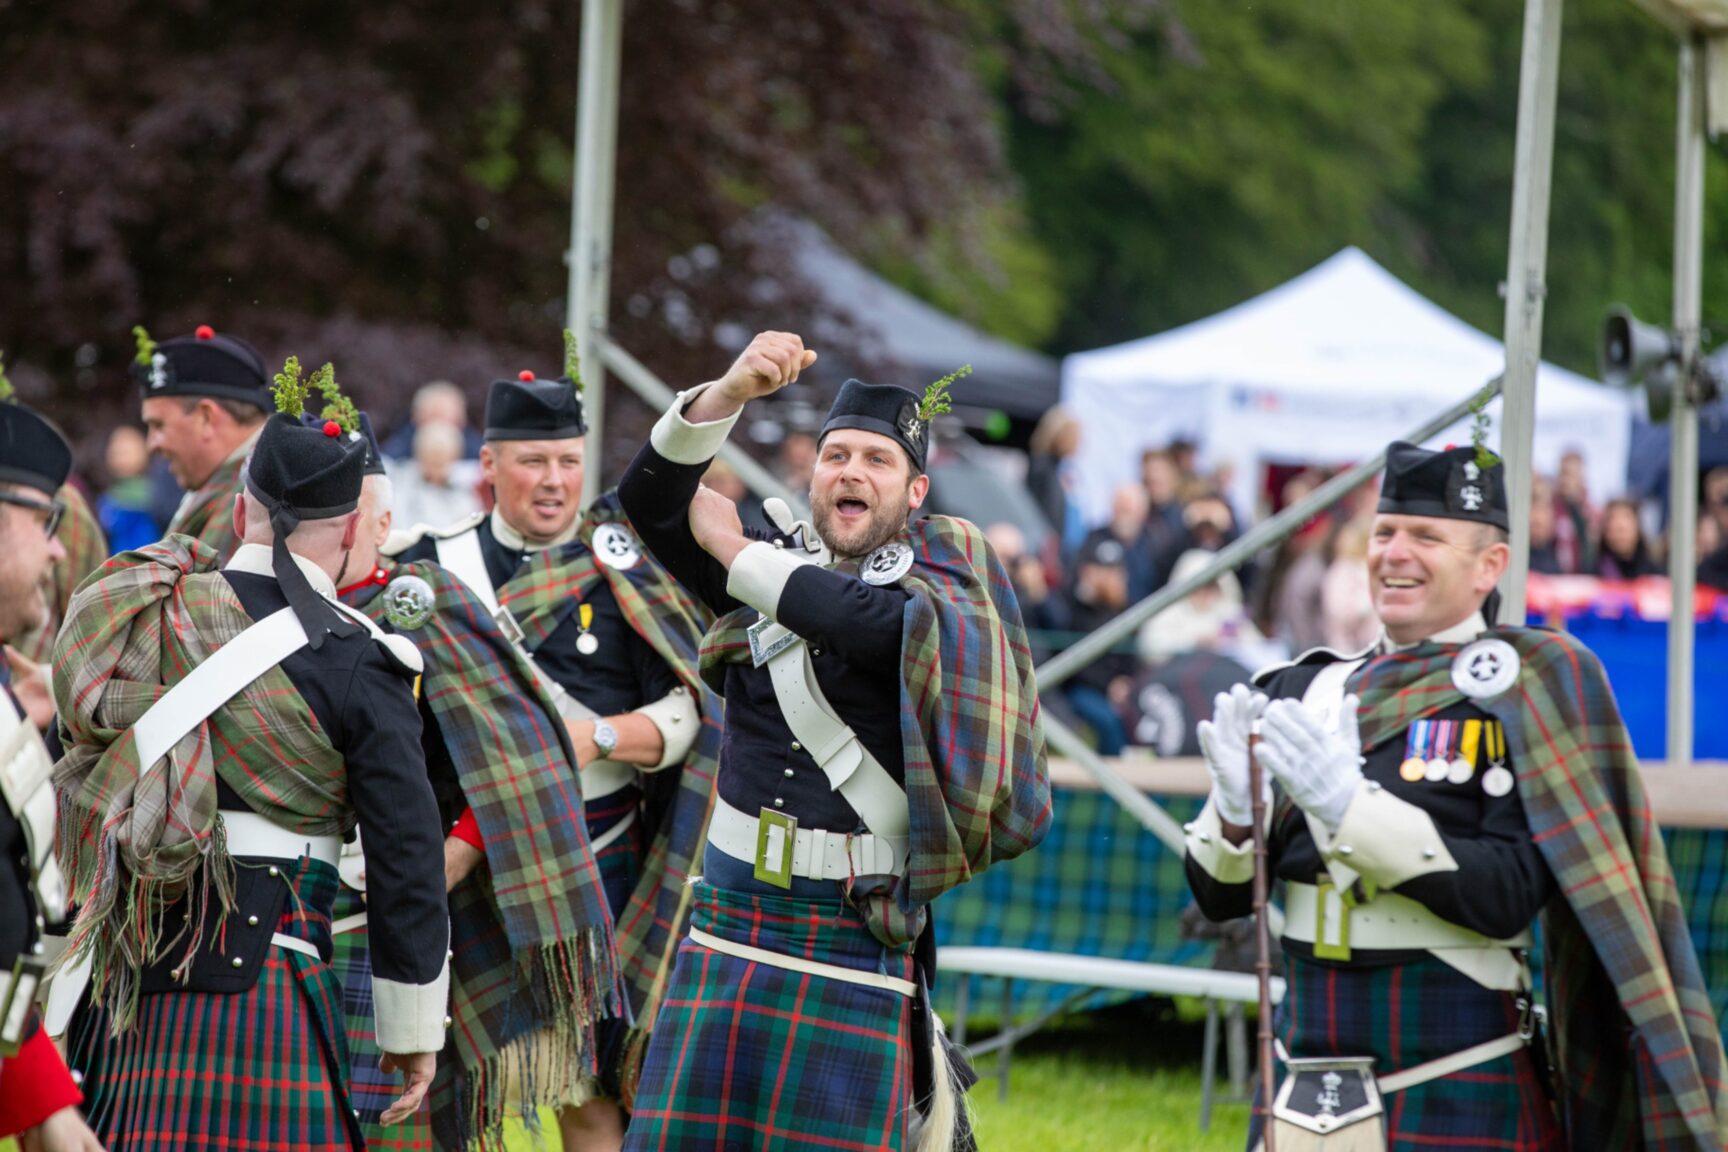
column 776, row 833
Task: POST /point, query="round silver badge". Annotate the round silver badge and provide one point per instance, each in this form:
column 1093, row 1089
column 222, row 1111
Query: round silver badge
column 408, row 602
column 1497, row 781
column 587, row 644
column 616, row 546
column 1460, row 771
column 887, row 564
column 1485, row 668
column 1437, row 770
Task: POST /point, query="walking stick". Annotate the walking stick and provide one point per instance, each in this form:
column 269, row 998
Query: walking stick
column 1262, row 935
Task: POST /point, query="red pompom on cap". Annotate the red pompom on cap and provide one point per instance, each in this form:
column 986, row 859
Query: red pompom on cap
column 332, row 429
column 524, row 375
column 204, row 332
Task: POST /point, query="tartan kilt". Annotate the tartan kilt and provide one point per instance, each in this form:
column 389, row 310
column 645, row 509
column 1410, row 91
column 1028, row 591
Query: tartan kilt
column 752, row 1056
column 620, row 862
column 264, row 1069
column 1408, row 1014
column 370, row 1089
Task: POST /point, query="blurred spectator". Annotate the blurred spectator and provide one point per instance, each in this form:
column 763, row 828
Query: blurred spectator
column 1622, row 553
column 437, row 402
column 1348, row 622
column 1163, row 483
column 1207, row 524
column 125, row 508
column 725, row 481
column 1191, row 653
column 1099, row 592
column 795, row 461
column 437, row 486
column 1544, row 515
column 1575, row 524
column 1050, row 475
column 1129, row 527
column 1713, row 531
column 1715, row 503
column 1287, row 592
column 1189, row 482
column 1042, row 609
column 1212, row 618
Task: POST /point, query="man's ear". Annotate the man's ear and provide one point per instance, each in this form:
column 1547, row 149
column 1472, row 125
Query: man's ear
column 350, row 531
column 919, row 489
column 240, row 515
column 384, row 522
column 1495, row 560
column 488, row 464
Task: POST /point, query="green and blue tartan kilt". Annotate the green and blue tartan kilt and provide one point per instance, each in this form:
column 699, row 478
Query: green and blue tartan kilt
column 752, row 1056
column 620, row 862
column 1407, row 1014
column 263, row 1070
column 370, row 1089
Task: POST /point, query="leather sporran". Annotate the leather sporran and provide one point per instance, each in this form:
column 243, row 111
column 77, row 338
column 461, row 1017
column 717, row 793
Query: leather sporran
column 1329, row 1105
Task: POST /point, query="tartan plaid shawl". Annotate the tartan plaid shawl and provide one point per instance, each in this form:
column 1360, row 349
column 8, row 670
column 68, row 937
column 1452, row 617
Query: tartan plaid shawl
column 546, row 591
column 1650, row 1074
column 134, row 837
column 970, row 732
column 532, row 935
column 86, row 548
column 208, row 513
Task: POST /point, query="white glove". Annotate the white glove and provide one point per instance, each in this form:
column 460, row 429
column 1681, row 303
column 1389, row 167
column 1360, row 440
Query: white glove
column 780, row 515
column 1224, row 743
column 1318, row 768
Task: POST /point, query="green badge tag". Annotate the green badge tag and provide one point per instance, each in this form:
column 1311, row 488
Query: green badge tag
column 775, row 833
column 1332, row 922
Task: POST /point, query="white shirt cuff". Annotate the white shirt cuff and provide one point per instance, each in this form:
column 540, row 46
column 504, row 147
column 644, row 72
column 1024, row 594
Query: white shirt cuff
column 758, row 576
column 685, row 443
column 412, row 1017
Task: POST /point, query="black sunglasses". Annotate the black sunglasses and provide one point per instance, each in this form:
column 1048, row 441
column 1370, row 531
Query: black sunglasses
column 54, row 508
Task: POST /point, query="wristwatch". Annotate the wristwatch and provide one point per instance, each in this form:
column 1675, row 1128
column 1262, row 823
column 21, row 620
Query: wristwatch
column 605, row 737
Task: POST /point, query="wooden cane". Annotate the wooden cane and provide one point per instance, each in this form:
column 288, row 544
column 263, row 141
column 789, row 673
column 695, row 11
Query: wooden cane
column 1262, row 935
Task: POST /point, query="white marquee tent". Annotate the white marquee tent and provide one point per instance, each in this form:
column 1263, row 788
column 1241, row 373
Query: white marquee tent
column 1322, row 370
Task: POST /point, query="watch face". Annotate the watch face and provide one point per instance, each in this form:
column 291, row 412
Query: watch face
column 605, row 736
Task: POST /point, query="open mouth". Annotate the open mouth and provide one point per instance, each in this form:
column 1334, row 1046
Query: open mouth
column 1400, row 583
column 851, row 509
column 549, row 507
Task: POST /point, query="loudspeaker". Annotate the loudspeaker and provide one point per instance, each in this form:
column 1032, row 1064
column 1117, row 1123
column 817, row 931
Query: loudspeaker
column 1632, row 349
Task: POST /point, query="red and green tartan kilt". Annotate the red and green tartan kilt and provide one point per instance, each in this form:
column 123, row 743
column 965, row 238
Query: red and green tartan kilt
column 752, row 1056
column 370, row 1089
column 1407, row 1014
column 263, row 1070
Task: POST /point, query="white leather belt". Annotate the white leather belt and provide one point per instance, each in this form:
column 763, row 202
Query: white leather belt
column 348, row 924
column 816, row 855
column 601, row 778
column 1389, row 921
column 1444, row 1065
column 295, row 944
column 250, row 834
column 610, row 837
column 799, row 964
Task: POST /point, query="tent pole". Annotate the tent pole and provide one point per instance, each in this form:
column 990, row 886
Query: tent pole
column 1526, row 272
column 590, row 255
column 1683, row 461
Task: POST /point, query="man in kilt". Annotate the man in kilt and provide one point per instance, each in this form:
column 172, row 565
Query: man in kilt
column 534, row 962
column 882, row 746
column 225, row 729
column 205, row 397
column 614, row 644
column 1440, row 792
column 38, row 1098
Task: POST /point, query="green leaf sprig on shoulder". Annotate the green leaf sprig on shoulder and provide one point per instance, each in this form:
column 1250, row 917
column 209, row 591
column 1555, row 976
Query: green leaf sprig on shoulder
column 936, row 401
column 146, row 346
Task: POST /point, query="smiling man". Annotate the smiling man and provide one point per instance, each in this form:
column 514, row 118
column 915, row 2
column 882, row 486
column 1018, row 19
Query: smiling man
column 882, row 746
column 1439, row 793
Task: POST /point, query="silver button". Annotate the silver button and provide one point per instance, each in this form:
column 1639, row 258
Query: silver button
column 779, row 803
column 274, row 871
column 449, row 1021
column 1345, row 850
column 1373, row 785
column 1429, row 853
column 1205, row 837
column 36, row 949
column 815, row 651
column 788, row 771
column 251, row 921
column 797, row 747
column 237, row 962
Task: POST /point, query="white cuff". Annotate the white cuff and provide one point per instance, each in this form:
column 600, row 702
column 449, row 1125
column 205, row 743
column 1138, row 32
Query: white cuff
column 685, row 443
column 1225, row 862
column 1388, row 840
column 411, row 1017
column 676, row 718
column 759, row 574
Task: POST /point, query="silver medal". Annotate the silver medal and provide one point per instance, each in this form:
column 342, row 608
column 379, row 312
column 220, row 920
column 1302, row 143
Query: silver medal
column 616, row 546
column 887, row 564
column 1497, row 781
column 1460, row 771
column 1485, row 668
column 408, row 602
column 586, row 644
column 1437, row 770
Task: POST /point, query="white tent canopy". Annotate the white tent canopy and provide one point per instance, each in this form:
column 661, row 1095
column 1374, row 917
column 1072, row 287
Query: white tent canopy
column 1323, row 370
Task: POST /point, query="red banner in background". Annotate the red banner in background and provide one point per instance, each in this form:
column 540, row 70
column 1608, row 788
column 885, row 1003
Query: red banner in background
column 1647, row 598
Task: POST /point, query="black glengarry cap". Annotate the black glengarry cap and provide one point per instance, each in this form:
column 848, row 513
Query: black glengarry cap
column 1452, row 484
column 206, row 363
column 886, row 409
column 528, row 408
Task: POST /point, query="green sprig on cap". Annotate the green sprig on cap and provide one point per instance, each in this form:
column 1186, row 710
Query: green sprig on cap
column 146, row 346
column 936, row 401
column 291, row 391
column 338, row 405
column 573, row 361
column 1485, row 456
column 8, row 394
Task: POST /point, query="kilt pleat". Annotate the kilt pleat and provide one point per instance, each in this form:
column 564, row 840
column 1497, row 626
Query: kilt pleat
column 752, row 1056
column 257, row 1071
column 370, row 1089
column 1407, row 1014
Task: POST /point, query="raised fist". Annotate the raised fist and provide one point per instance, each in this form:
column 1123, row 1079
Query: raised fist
column 772, row 361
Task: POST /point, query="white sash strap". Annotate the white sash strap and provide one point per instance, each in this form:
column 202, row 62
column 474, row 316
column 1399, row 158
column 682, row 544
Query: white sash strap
column 25, row 781
column 1443, row 1066
column 348, row 924
column 295, row 944
column 799, row 964
column 460, row 555
column 213, row 683
column 610, row 837
column 816, row 854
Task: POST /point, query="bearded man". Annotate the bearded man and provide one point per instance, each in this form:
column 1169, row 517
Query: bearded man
column 205, row 397
column 882, row 746
column 614, row 644
column 534, row 964
column 1441, row 792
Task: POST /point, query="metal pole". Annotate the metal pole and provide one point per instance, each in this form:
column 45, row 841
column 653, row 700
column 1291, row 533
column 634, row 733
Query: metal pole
column 1526, row 272
column 1140, row 806
column 1683, row 460
column 1264, row 535
column 590, row 255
